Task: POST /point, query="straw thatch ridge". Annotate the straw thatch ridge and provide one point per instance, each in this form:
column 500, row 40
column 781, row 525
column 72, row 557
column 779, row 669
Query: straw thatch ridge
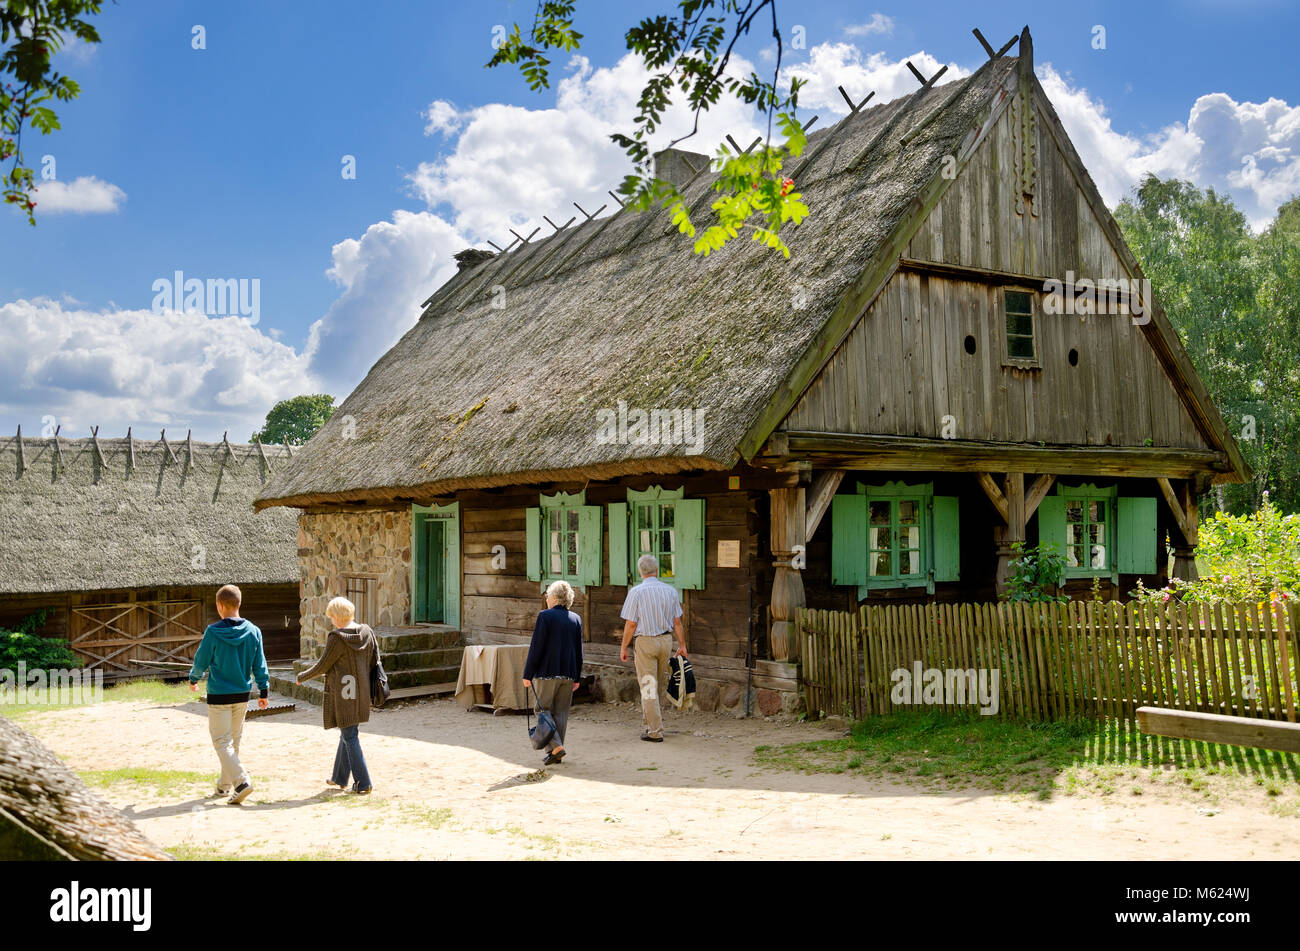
column 74, row 518
column 47, row 813
column 504, row 377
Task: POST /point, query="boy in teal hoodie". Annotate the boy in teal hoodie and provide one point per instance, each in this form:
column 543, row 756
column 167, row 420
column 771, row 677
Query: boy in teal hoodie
column 230, row 654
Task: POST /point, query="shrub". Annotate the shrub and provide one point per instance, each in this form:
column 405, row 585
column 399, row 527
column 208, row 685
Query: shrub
column 1035, row 573
column 33, row 650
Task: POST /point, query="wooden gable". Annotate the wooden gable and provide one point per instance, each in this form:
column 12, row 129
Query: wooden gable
column 1020, row 212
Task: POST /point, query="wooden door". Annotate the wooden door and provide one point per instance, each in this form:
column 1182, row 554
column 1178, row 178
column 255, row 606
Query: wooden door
column 434, row 581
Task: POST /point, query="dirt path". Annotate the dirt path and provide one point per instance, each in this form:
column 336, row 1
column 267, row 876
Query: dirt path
column 448, row 785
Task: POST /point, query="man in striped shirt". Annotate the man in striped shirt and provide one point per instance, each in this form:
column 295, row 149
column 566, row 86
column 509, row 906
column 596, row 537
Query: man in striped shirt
column 653, row 612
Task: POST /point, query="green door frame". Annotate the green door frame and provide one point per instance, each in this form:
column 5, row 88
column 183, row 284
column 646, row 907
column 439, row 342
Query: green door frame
column 450, row 514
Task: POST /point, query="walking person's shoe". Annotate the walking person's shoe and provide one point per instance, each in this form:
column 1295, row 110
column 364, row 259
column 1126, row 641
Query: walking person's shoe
column 221, row 792
column 554, row 756
column 651, row 739
column 330, row 782
column 364, row 792
column 240, row 794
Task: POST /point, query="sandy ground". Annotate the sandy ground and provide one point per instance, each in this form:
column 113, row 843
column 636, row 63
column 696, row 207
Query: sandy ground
column 464, row 785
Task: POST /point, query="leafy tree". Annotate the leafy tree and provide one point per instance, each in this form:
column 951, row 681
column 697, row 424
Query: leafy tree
column 296, row 420
column 688, row 54
column 31, row 32
column 1235, row 300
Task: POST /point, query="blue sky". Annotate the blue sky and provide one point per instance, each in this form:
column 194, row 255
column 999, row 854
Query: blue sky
column 225, row 162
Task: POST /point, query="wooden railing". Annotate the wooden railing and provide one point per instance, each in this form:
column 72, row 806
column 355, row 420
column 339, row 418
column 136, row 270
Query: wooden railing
column 1088, row 659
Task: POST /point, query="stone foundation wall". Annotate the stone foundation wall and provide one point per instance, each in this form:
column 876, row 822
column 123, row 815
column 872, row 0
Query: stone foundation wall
column 335, row 544
column 619, row 684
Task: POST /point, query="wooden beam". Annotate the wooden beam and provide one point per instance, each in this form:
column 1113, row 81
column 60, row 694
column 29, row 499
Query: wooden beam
column 819, row 500
column 94, row 441
column 1037, row 492
column 262, row 453
column 170, row 456
column 130, row 452
column 1219, row 728
column 1013, row 487
column 22, row 457
column 1175, row 506
column 288, row 448
column 58, row 450
column 189, row 449
column 990, row 487
column 875, row 452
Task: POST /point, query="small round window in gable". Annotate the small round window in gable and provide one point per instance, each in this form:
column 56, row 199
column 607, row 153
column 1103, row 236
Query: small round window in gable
column 970, row 344
column 1074, row 357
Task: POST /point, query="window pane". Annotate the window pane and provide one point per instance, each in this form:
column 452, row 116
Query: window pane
column 571, row 565
column 1073, row 512
column 571, row 542
column 666, row 516
column 1019, row 302
column 553, row 519
column 910, row 537
column 1021, row 325
column 557, row 563
column 666, row 541
column 1097, row 511
column 666, row 566
column 573, row 520
column 1020, row 347
column 1098, row 556
column 879, row 513
column 879, row 563
column 555, row 541
column 644, row 539
column 908, row 511
column 1076, row 556
column 643, row 516
column 879, row 537
column 909, row 562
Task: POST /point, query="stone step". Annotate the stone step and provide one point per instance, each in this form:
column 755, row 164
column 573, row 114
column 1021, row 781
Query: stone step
column 407, row 660
column 423, row 676
column 418, row 640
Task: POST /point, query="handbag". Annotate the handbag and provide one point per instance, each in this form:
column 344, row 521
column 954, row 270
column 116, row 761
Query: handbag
column 379, row 692
column 681, row 681
column 545, row 731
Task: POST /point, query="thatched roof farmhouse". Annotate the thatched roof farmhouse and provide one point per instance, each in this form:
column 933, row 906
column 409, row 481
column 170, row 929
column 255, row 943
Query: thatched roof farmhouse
column 129, row 538
column 958, row 355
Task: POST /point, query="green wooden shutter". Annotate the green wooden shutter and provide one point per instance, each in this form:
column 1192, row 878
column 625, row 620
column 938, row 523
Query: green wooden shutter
column 618, row 543
column 1135, row 530
column 1051, row 523
column 849, row 539
column 688, row 567
column 533, row 543
column 589, row 563
column 947, row 539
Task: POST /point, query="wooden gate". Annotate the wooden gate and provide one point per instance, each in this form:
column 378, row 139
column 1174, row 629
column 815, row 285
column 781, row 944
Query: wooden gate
column 116, row 637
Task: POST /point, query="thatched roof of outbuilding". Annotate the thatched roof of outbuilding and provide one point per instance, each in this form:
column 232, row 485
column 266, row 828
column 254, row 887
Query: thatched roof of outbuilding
column 502, row 378
column 47, row 813
column 96, row 514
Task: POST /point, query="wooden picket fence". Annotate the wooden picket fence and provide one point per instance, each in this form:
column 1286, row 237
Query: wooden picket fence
column 1080, row 659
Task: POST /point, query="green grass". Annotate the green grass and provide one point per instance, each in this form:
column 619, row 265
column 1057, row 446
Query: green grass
column 944, row 752
column 134, row 691
column 164, row 782
column 426, row 816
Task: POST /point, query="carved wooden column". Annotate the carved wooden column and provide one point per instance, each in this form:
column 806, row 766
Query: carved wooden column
column 1004, row 536
column 787, row 531
column 1183, row 505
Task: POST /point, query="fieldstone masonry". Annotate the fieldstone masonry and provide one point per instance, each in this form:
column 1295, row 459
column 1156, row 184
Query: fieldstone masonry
column 336, row 544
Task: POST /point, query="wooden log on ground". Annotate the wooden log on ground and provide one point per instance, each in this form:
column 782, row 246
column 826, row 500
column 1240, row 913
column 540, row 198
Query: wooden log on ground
column 1217, row 728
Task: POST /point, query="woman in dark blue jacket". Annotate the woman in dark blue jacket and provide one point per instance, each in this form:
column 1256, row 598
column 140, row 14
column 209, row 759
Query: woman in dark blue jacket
column 554, row 664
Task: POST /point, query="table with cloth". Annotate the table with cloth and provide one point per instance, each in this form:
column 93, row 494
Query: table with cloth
column 499, row 667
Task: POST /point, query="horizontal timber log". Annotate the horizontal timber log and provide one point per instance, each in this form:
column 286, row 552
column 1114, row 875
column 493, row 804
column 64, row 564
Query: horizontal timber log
column 1217, row 728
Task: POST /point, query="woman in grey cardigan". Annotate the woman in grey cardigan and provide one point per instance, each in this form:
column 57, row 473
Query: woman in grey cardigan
column 351, row 650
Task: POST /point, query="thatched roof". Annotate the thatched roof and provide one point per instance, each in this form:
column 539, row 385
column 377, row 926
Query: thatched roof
column 503, row 377
column 47, row 813
column 77, row 518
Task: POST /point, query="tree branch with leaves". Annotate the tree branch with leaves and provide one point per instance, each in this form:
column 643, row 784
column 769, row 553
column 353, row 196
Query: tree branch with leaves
column 688, row 54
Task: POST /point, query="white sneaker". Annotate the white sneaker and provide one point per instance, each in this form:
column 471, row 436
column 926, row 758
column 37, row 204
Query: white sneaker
column 240, row 794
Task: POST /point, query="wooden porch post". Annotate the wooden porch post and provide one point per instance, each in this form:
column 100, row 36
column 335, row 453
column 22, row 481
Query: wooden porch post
column 787, row 531
column 1004, row 536
column 1183, row 504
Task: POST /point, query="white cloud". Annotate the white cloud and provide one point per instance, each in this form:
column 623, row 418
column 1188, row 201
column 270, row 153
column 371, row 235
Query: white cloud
column 879, row 23
column 138, row 368
column 385, row 275
column 86, row 195
column 512, row 165
column 441, row 117
column 1248, row 150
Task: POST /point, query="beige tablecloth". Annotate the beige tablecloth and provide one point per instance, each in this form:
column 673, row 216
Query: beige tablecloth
column 501, row 667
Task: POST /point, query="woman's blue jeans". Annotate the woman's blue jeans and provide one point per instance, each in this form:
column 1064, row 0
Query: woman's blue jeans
column 349, row 760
